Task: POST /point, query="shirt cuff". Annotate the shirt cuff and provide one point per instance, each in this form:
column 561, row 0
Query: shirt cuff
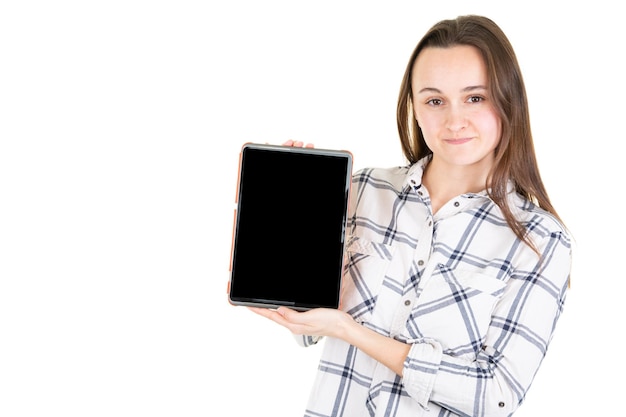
column 420, row 369
column 306, row 341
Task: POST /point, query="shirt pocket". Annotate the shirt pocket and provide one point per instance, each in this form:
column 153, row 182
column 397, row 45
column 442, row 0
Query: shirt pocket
column 455, row 308
column 367, row 263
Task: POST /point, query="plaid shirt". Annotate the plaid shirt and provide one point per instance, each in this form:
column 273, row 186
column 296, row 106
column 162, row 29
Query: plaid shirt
column 474, row 302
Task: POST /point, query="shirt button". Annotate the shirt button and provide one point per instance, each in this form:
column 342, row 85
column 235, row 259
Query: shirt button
column 407, row 302
column 456, row 204
column 420, row 262
column 430, row 223
column 501, row 404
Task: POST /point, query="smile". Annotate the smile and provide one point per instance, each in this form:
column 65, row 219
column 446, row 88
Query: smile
column 458, row 141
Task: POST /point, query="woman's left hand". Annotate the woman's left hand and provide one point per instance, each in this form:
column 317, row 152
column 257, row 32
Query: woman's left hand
column 316, row 322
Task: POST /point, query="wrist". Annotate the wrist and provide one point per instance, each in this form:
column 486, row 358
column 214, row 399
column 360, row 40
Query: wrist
column 349, row 330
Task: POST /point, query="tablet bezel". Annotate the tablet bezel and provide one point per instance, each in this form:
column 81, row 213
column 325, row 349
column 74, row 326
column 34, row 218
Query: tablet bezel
column 235, row 297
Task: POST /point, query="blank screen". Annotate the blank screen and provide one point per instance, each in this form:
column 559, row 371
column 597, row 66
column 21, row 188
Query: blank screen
column 290, row 227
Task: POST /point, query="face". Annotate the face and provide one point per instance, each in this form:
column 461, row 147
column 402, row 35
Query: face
column 454, row 108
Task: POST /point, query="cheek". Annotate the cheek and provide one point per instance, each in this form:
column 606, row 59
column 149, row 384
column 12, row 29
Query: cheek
column 491, row 123
column 430, row 131
column 486, row 122
column 428, row 123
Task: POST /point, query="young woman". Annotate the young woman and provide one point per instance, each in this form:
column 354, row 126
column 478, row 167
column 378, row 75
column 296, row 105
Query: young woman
column 457, row 264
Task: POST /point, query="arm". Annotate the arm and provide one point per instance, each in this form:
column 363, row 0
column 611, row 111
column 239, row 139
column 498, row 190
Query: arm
column 338, row 324
column 496, row 379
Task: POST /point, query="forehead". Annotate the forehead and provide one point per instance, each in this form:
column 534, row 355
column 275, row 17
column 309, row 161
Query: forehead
column 456, row 66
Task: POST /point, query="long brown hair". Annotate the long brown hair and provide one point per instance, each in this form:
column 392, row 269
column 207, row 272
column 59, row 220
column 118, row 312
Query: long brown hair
column 515, row 159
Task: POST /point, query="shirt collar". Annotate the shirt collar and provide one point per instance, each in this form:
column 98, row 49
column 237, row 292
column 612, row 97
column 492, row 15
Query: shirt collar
column 416, row 171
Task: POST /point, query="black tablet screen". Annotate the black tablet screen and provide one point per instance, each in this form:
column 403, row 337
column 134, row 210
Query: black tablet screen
column 290, row 226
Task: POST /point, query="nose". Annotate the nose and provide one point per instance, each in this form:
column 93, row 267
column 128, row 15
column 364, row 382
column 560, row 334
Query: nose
column 456, row 119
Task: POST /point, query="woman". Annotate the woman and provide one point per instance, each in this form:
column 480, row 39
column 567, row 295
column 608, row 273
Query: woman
column 457, row 264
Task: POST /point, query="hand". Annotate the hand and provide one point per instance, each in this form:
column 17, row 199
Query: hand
column 316, row 322
column 338, row 324
column 297, row 144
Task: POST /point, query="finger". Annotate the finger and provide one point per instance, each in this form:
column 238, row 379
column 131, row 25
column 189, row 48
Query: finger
column 287, row 313
column 299, row 318
column 265, row 312
column 295, row 143
column 298, row 144
column 273, row 315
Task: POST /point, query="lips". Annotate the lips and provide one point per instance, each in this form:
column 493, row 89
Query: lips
column 458, row 141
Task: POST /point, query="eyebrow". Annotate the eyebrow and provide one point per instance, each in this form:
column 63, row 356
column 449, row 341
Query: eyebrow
column 464, row 90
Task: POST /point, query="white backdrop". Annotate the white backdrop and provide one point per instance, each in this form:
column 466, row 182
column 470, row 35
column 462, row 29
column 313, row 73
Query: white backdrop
column 120, row 127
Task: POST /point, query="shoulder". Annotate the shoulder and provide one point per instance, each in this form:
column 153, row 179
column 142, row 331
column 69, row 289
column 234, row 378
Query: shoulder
column 538, row 221
column 393, row 177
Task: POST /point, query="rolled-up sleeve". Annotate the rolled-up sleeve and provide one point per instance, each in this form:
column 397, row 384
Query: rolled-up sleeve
column 420, row 369
column 306, row 341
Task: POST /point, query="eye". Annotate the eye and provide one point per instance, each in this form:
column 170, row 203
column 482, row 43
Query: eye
column 434, row 102
column 475, row 99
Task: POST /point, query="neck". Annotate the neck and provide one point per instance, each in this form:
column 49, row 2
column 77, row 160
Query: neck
column 445, row 182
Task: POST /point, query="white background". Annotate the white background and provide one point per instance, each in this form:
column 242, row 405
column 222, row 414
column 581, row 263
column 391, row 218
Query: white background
column 120, row 127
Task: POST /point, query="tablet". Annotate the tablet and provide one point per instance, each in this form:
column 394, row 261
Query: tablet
column 290, row 226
